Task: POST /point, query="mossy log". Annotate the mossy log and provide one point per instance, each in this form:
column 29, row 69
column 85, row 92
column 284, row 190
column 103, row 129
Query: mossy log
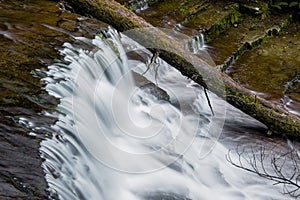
column 275, row 118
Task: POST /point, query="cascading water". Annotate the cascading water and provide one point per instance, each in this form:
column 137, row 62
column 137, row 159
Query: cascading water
column 139, row 5
column 287, row 102
column 196, row 43
column 114, row 140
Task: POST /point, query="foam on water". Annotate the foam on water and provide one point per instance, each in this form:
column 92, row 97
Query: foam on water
column 115, row 140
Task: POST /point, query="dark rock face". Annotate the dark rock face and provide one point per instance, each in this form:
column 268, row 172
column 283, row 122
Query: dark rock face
column 30, row 34
column 21, row 175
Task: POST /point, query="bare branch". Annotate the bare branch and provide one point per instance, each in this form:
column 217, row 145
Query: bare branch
column 280, row 163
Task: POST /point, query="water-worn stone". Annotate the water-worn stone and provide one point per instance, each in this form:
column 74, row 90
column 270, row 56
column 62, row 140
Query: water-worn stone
column 269, row 68
column 154, row 89
column 250, row 34
column 30, row 34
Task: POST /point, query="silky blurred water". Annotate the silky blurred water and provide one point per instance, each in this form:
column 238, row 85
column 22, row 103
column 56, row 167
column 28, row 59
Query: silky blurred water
column 116, row 140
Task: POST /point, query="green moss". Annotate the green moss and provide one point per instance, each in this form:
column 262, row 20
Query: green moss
column 246, row 102
column 182, row 10
column 224, row 24
column 268, row 68
column 269, row 116
column 32, row 45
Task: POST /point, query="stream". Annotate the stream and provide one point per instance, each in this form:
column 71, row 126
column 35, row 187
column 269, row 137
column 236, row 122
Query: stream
column 116, row 140
column 109, row 128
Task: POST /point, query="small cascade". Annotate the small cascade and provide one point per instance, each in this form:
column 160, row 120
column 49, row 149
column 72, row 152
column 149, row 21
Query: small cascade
column 288, row 103
column 139, row 5
column 177, row 27
column 196, row 43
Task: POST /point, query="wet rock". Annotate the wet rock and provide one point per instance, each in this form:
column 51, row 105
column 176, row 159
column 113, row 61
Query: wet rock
column 145, row 84
column 215, row 20
column 250, row 34
column 236, row 38
column 30, row 34
column 270, row 67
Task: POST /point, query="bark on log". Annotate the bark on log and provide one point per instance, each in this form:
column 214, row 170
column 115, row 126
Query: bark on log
column 275, row 118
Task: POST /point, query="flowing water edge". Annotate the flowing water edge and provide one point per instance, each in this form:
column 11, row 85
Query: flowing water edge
column 115, row 140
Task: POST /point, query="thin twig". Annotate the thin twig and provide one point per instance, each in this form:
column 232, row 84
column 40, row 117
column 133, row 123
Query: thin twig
column 152, row 61
column 278, row 164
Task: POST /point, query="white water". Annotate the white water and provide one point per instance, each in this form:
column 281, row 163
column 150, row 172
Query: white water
column 114, row 140
column 196, row 43
column 287, row 102
column 139, row 5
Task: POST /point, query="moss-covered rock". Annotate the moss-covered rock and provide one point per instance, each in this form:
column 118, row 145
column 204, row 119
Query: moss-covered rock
column 191, row 66
column 269, row 68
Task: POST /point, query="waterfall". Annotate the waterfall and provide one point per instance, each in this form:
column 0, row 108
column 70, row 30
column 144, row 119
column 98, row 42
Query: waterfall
column 196, row 43
column 286, row 100
column 139, row 5
column 116, row 140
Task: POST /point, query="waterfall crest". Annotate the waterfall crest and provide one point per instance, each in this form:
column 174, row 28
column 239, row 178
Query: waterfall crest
column 115, row 140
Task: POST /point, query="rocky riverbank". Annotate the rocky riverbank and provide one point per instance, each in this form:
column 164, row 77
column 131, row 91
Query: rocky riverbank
column 30, row 35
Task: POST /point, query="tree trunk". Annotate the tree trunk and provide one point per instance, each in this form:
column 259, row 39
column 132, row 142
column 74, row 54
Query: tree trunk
column 275, row 118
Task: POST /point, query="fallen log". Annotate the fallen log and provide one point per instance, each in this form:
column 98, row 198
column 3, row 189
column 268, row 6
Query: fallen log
column 274, row 117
